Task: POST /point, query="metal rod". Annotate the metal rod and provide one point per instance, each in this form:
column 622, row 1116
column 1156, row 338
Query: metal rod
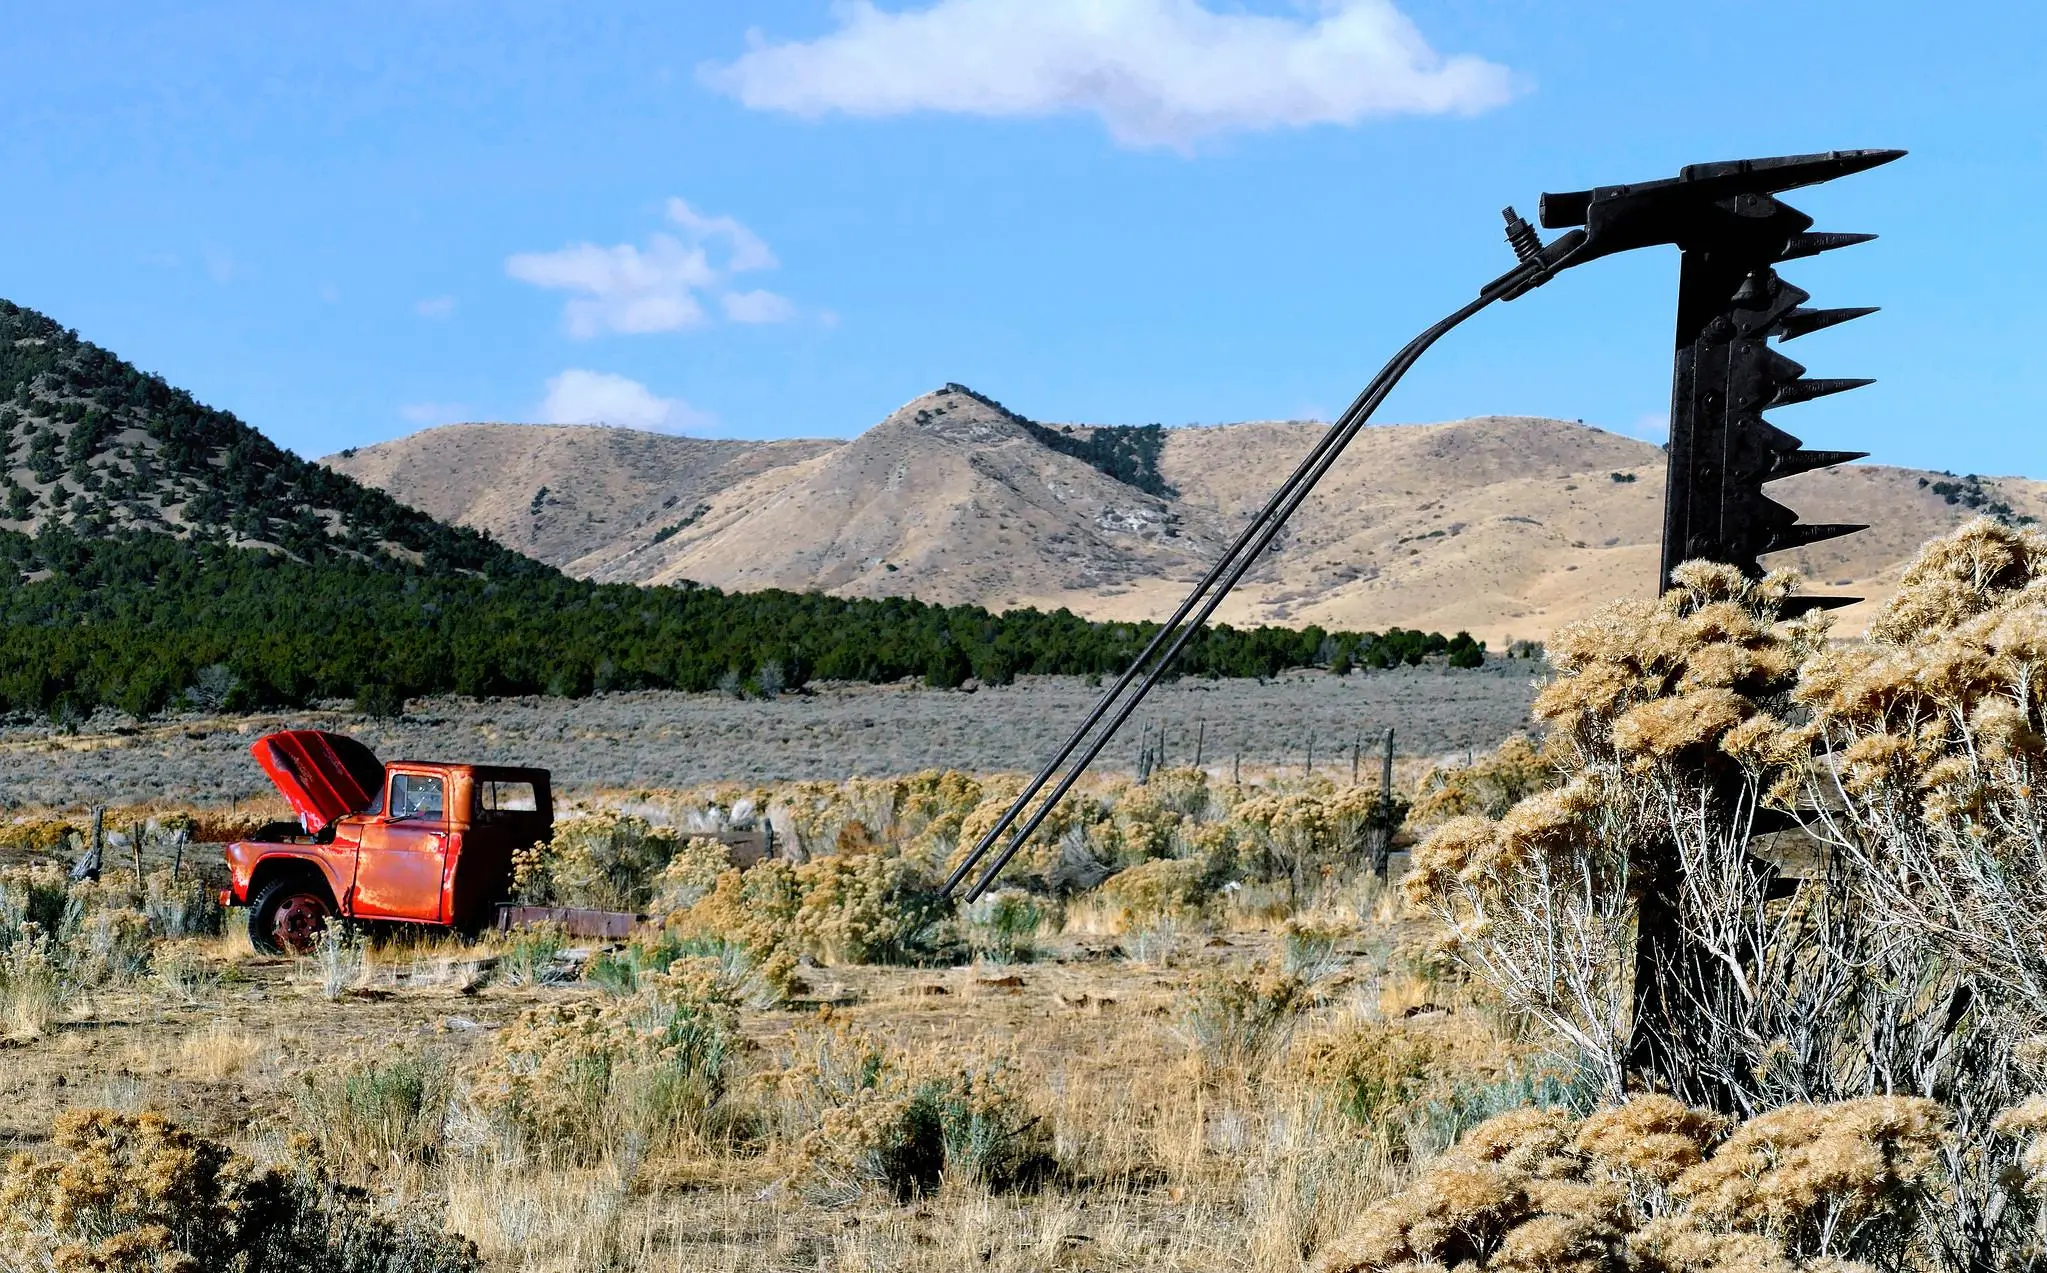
column 1305, row 472
column 1226, row 574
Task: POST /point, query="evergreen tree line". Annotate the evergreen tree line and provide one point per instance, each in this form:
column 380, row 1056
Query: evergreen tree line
column 136, row 621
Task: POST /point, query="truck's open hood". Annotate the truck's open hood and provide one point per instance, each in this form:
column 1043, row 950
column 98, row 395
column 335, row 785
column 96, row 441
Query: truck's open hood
column 322, row 776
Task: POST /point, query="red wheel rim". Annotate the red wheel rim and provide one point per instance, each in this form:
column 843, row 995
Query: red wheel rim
column 299, row 920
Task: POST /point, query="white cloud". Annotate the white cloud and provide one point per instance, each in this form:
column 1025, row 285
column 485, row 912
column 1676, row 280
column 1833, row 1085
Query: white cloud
column 747, row 250
column 435, row 307
column 432, row 413
column 1157, row 72
column 596, row 397
column 658, row 287
column 757, row 307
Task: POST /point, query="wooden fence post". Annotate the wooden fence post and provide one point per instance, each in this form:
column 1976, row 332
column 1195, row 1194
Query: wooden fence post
column 1382, row 838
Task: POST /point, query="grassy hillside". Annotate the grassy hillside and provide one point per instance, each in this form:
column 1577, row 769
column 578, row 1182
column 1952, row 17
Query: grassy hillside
column 92, row 445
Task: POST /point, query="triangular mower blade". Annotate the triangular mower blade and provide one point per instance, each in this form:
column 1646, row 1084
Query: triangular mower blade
column 1814, row 242
column 1802, row 533
column 1803, row 322
column 1792, row 463
column 1807, row 390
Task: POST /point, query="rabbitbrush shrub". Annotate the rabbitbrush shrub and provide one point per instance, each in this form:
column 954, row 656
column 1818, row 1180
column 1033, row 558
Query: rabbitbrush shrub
column 373, row 1114
column 135, row 1193
column 1908, row 953
column 873, row 1117
column 1656, row 1186
column 1238, row 1021
column 577, row 1080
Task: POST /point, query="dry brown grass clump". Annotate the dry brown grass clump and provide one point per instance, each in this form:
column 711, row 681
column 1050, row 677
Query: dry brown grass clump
column 135, row 1193
column 864, row 1115
column 1653, row 1185
column 574, row 1081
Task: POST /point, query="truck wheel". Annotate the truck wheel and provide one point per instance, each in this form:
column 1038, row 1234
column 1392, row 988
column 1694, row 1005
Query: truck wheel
column 288, row 916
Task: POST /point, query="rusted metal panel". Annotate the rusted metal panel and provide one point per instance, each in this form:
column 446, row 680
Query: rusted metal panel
column 743, row 848
column 576, row 921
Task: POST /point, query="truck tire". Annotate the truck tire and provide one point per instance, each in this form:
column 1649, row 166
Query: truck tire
column 287, row 916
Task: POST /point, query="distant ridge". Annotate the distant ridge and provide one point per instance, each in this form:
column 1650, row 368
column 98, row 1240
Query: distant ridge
column 1505, row 526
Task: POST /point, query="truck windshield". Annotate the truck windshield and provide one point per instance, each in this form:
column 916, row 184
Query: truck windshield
column 415, row 796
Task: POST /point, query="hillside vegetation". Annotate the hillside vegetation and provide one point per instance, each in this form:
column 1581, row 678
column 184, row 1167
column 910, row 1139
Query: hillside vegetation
column 164, row 552
column 91, row 444
column 138, row 621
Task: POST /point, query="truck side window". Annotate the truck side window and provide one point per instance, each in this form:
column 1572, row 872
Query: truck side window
column 495, row 796
column 415, row 796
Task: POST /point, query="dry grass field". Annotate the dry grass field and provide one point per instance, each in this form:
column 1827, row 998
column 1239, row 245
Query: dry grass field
column 1158, row 1165
column 669, row 739
column 1167, row 1071
column 1191, row 1031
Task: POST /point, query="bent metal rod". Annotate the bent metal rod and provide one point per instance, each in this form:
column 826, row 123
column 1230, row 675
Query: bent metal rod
column 1537, row 265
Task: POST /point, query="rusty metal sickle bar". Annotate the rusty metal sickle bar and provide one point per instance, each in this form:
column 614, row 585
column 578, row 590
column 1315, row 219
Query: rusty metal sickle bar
column 1701, row 210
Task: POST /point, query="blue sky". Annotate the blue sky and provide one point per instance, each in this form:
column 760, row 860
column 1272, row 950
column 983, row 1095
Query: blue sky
column 786, row 217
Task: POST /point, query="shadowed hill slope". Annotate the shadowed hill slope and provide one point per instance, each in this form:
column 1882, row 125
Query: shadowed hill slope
column 91, row 445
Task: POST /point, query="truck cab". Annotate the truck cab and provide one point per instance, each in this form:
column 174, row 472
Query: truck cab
column 416, row 842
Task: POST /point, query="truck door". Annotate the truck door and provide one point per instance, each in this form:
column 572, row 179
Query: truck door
column 404, row 851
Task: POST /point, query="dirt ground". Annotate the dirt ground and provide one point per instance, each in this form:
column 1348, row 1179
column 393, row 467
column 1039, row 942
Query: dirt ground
column 663, row 739
column 1185, row 1176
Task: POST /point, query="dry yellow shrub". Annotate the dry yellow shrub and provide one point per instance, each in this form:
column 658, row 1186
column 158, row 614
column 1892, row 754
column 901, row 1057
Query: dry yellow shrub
column 1237, row 1022
column 605, row 860
column 1652, row 1137
column 135, row 1193
column 1036, row 863
column 1489, row 787
column 579, row 1078
column 865, row 905
column 1652, row 1186
column 864, row 1115
column 1162, row 889
column 691, row 874
column 52, row 836
column 1384, row 1072
column 1803, row 1171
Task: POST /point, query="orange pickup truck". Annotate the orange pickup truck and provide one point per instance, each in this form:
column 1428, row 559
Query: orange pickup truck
column 409, row 841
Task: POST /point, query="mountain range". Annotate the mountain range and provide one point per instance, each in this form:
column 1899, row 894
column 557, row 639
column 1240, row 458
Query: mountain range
column 1505, row 526
column 1502, row 526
